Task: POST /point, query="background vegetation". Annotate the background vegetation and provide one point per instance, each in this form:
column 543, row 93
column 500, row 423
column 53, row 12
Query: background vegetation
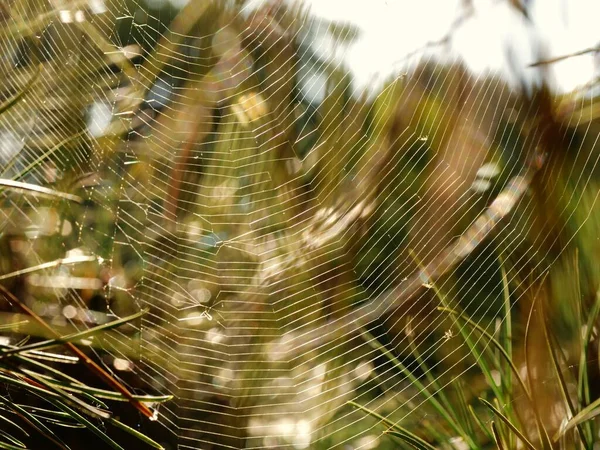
column 183, row 227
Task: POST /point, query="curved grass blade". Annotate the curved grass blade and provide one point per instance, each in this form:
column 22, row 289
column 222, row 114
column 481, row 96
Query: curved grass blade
column 481, row 425
column 507, row 336
column 84, row 421
column 74, row 336
column 142, row 437
column 496, row 344
column 497, row 438
column 432, row 381
column 50, row 265
column 588, row 413
column 502, row 431
column 374, row 343
column 409, row 439
column 476, row 353
column 583, row 388
column 10, row 440
column 551, row 344
column 48, row 153
column 36, row 190
column 7, row 420
column 396, row 430
column 91, row 364
column 7, row 446
column 509, row 424
column 35, row 423
column 46, row 389
column 9, row 103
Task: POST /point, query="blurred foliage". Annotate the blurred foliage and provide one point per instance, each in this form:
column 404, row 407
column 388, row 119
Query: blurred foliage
column 179, row 209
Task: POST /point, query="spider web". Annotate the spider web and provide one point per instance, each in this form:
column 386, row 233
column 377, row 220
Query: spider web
column 280, row 220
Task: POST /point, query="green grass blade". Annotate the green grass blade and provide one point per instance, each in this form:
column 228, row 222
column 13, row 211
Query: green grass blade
column 507, row 335
column 409, row 438
column 49, row 265
column 41, row 158
column 75, row 336
column 479, row 356
column 496, row 344
column 432, row 381
column 481, row 425
column 475, row 352
column 589, row 412
column 11, row 440
column 583, row 389
column 84, row 421
column 36, row 424
column 396, row 430
column 69, row 398
column 551, row 344
column 16, row 425
column 509, row 424
column 142, row 437
column 9, row 103
column 73, row 385
column 99, row 393
column 48, row 368
column 374, row 343
column 36, row 190
column 7, row 446
column 57, row 418
column 460, row 389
